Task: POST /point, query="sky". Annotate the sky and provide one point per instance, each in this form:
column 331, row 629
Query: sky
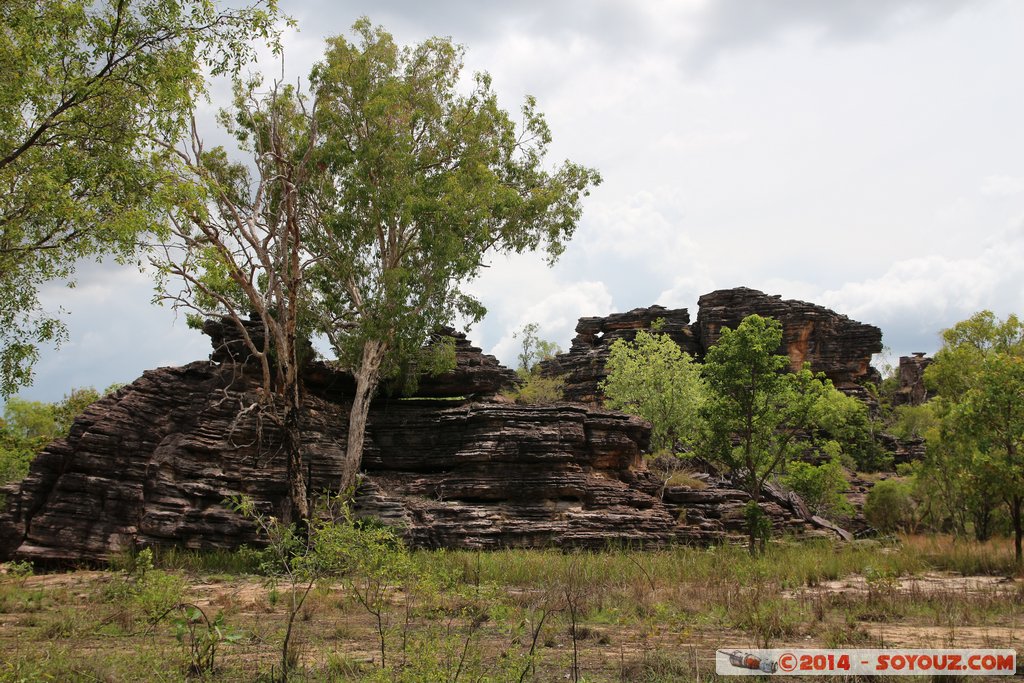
column 863, row 155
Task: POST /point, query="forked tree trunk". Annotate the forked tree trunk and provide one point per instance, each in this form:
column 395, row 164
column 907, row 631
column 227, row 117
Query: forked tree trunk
column 367, row 376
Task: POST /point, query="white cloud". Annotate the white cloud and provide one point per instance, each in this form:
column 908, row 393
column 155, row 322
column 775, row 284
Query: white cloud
column 1002, row 186
column 556, row 315
column 915, row 298
column 115, row 332
column 822, row 155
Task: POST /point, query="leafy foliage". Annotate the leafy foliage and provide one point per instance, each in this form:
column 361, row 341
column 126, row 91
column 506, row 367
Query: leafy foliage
column 758, row 415
column 423, row 184
column 28, row 427
column 655, row 379
column 890, row 506
column 535, row 388
column 533, row 349
column 820, row 485
column 201, row 637
column 368, row 557
column 979, row 376
column 87, row 85
column 914, row 421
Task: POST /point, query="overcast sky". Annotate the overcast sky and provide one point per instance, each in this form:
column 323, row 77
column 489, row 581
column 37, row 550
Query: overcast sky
column 864, row 155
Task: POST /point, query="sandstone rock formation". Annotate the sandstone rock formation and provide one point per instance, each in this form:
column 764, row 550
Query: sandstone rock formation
column 710, row 508
column 832, row 343
column 154, row 462
column 912, row 390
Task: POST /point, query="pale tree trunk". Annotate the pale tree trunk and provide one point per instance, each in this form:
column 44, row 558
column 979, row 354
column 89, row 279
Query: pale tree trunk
column 367, row 375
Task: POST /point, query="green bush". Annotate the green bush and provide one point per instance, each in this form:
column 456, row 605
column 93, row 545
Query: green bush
column 890, row 506
column 27, row 427
column 652, row 377
column 911, row 422
column 821, row 486
column 538, row 390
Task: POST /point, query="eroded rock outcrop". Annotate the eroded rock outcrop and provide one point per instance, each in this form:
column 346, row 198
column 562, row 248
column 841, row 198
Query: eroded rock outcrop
column 709, row 506
column 582, row 368
column 154, row 462
column 475, row 375
column 832, row 343
column 912, row 390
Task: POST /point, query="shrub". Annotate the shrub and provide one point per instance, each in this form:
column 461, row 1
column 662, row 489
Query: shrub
column 821, row 486
column 913, row 422
column 538, row 390
column 890, row 506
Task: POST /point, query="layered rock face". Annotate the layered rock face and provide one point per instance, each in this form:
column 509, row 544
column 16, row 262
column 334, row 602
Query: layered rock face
column 154, row 462
column 832, row 343
column 582, row 367
column 711, row 508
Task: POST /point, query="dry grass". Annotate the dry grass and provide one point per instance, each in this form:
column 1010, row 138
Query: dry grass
column 641, row 616
column 687, row 479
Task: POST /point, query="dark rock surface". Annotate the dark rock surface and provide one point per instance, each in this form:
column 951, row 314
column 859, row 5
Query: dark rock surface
column 476, row 374
column 154, row 462
column 912, row 390
column 709, row 508
column 832, row 343
column 583, row 366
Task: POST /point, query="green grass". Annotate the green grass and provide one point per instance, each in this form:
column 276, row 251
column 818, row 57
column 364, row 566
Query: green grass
column 789, row 565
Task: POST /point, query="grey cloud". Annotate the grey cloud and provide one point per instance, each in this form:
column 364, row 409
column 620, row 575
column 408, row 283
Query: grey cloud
column 470, row 21
column 115, row 332
column 731, row 24
column 702, row 34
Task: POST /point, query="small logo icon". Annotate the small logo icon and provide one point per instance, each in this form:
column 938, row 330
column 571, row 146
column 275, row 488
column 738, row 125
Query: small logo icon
column 747, row 660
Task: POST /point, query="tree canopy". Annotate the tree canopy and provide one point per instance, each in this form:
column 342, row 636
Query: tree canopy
column 758, row 415
column 655, row 379
column 426, row 182
column 87, row 85
column 27, row 427
column 979, row 376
